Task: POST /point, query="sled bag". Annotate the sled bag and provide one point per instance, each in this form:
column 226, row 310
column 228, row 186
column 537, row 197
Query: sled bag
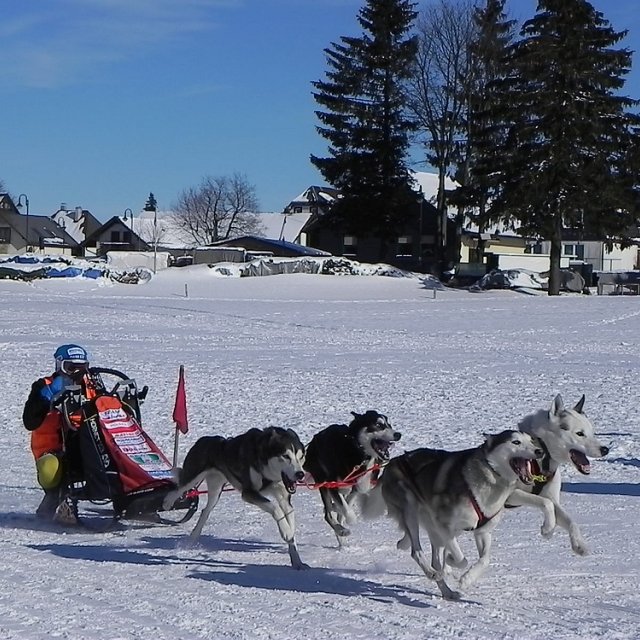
column 137, row 460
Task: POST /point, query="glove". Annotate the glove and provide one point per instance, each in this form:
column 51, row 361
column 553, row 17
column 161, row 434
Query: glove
column 49, row 391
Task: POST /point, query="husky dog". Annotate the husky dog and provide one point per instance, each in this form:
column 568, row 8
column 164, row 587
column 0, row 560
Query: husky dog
column 566, row 436
column 257, row 463
column 342, row 451
column 448, row 492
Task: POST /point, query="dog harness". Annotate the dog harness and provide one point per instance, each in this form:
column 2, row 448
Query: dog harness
column 483, row 518
column 541, row 473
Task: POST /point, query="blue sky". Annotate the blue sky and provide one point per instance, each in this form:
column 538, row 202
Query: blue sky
column 103, row 101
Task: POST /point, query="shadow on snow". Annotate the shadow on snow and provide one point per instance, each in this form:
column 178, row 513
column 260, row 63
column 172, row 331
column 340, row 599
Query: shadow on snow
column 602, row 488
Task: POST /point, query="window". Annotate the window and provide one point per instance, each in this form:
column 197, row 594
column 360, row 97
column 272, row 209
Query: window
column 349, row 246
column 574, row 250
column 297, row 209
column 404, row 246
column 5, row 235
column 126, row 237
column 115, row 236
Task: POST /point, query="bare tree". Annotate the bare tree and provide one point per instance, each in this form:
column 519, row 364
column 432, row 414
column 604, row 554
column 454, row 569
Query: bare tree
column 437, row 91
column 219, row 208
column 153, row 233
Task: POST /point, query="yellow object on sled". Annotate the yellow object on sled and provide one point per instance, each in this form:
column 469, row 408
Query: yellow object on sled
column 49, row 470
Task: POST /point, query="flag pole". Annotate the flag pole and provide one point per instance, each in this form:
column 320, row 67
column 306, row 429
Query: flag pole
column 175, row 447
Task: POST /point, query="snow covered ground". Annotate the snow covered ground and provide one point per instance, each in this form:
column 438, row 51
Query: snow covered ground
column 302, row 351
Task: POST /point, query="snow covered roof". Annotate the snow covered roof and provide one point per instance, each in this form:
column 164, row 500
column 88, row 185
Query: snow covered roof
column 283, row 226
column 429, row 184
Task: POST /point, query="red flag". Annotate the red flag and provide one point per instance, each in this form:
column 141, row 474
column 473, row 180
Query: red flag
column 180, row 408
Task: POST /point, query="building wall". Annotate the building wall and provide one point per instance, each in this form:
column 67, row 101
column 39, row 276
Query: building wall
column 596, row 254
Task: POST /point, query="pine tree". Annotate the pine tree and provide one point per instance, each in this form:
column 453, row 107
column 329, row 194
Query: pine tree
column 151, row 204
column 564, row 161
column 364, row 120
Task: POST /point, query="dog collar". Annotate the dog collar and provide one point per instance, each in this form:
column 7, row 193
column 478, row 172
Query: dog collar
column 544, row 466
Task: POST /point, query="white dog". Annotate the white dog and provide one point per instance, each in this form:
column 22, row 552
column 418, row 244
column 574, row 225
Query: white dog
column 567, row 436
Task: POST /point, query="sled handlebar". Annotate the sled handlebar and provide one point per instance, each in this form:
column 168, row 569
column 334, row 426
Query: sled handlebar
column 66, row 394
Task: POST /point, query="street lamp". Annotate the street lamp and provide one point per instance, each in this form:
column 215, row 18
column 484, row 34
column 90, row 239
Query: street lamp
column 19, row 205
column 420, row 252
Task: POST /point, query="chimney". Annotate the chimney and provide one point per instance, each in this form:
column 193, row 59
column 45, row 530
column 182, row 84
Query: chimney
column 78, row 214
column 63, row 206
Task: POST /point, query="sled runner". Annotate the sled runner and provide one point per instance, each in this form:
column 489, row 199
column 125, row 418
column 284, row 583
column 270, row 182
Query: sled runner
column 111, row 460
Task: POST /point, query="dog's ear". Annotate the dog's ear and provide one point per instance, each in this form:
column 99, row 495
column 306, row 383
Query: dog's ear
column 296, row 438
column 488, row 441
column 557, row 405
column 580, row 405
column 355, row 415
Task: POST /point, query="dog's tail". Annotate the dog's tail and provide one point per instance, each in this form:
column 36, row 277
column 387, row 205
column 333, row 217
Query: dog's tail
column 372, row 504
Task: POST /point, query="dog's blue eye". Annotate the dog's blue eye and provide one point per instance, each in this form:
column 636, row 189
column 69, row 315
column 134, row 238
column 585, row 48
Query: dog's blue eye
column 517, row 442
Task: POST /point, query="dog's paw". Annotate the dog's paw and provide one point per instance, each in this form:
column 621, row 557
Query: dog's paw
column 547, row 531
column 580, row 547
column 449, row 594
column 300, row 566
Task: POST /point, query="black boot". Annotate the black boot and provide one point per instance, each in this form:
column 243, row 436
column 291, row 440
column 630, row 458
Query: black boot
column 47, row 508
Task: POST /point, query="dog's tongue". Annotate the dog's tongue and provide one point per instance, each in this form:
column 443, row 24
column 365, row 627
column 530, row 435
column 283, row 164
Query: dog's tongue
column 580, row 461
column 524, row 469
column 381, row 447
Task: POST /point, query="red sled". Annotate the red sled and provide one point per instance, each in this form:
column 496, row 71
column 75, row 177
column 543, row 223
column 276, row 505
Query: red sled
column 111, row 459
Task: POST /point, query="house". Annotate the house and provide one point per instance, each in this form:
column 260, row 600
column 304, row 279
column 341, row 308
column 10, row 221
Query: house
column 114, row 235
column 416, row 245
column 79, row 223
column 503, row 249
column 39, row 234
column 419, row 245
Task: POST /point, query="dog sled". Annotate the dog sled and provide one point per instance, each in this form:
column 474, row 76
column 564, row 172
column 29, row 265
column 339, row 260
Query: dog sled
column 113, row 469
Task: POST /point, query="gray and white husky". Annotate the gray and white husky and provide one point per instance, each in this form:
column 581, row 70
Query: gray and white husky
column 448, row 492
column 567, row 437
column 258, row 463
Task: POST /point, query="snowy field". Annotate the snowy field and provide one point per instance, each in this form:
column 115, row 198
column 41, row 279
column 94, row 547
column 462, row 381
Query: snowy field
column 302, row 351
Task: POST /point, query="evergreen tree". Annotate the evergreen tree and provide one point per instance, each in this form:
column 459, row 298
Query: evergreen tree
column 564, row 160
column 151, row 204
column 364, row 120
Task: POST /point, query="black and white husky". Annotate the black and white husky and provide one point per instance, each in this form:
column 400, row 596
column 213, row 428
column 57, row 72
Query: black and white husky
column 258, row 463
column 448, row 492
column 348, row 451
column 567, row 437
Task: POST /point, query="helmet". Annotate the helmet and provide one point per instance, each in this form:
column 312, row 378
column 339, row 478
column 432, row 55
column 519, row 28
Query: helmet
column 71, row 359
